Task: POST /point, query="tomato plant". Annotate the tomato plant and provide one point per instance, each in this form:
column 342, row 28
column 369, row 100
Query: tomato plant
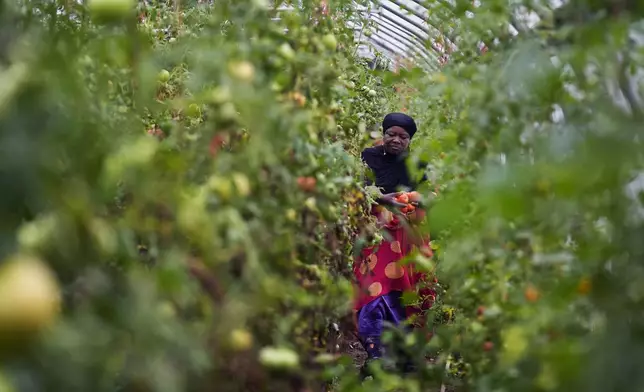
column 183, row 195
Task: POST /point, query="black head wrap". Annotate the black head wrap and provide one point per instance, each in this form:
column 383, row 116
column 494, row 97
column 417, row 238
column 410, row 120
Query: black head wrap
column 399, row 120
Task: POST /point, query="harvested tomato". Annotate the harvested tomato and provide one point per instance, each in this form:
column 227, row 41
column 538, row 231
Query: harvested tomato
column 416, row 216
column 402, row 198
column 413, row 196
column 426, row 251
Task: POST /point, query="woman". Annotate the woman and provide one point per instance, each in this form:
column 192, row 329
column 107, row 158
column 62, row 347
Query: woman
column 380, row 277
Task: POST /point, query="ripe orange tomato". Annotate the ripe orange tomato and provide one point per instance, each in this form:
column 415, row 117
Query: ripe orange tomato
column 414, row 196
column 416, row 216
column 217, row 142
column 584, row 286
column 307, row 184
column 531, row 293
column 402, row 198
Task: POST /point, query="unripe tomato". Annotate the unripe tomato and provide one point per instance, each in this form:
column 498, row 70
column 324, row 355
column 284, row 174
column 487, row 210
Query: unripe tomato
column 330, row 42
column 166, row 310
column 163, row 76
column 243, row 71
column 286, row 51
column 220, row 95
column 242, row 184
column 240, row 339
column 280, row 358
column 222, row 186
column 193, row 110
column 291, row 215
column 228, row 111
column 29, row 297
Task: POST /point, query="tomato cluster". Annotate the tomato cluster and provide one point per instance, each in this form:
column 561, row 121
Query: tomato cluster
column 411, row 210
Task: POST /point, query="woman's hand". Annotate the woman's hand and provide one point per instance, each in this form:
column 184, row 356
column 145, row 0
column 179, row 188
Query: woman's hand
column 390, row 200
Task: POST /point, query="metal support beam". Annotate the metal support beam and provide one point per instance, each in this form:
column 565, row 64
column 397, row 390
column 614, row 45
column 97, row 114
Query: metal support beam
column 427, row 38
column 406, row 50
column 416, row 55
column 406, row 36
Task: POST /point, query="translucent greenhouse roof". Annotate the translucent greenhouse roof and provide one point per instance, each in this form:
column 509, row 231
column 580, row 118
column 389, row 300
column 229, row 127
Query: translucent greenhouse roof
column 398, row 31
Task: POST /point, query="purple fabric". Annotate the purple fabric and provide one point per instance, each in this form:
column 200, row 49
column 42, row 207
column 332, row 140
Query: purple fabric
column 374, row 317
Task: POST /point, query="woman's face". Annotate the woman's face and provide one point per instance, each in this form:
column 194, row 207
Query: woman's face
column 396, row 140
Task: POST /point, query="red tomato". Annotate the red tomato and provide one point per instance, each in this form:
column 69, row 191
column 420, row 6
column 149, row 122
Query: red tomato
column 307, row 184
column 402, row 198
column 414, row 196
column 216, row 143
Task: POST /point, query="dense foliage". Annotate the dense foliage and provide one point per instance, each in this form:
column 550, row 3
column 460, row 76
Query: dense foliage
column 181, row 196
column 537, row 151
column 189, row 176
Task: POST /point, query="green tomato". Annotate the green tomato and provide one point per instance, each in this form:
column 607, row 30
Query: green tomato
column 286, row 51
column 220, row 95
column 193, row 110
column 29, row 296
column 222, row 186
column 330, row 42
column 372, row 93
column 291, row 215
column 243, row 71
column 242, row 184
column 167, row 126
column 39, row 233
column 163, row 76
column 241, row 339
column 166, row 310
column 228, row 111
column 280, row 358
